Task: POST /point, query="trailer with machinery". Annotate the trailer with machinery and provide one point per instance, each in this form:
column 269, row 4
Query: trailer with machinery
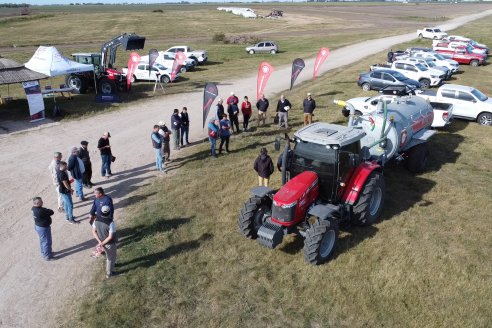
column 334, row 174
column 106, row 79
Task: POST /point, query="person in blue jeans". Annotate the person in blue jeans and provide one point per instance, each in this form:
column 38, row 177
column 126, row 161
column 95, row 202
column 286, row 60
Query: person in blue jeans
column 42, row 225
column 66, row 191
column 213, row 135
column 225, row 134
column 157, row 144
column 105, row 149
column 185, row 126
column 77, row 169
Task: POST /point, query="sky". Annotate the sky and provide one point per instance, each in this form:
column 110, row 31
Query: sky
column 66, row 2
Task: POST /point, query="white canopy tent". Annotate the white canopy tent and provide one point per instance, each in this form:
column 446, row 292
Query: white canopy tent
column 49, row 61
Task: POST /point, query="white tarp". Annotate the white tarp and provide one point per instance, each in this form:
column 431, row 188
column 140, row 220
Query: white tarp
column 49, row 61
column 245, row 12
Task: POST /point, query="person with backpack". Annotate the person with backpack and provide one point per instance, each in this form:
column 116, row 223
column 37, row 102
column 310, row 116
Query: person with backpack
column 213, row 135
column 264, row 167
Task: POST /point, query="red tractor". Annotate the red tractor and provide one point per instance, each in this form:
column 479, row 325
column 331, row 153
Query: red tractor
column 106, row 78
column 333, row 174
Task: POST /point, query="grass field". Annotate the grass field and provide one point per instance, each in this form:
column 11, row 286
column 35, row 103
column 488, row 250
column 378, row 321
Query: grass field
column 426, row 263
column 303, row 30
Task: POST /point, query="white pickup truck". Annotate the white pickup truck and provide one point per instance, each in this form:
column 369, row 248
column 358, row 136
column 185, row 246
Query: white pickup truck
column 443, row 112
column 415, row 71
column 431, row 33
column 468, row 103
column 199, row 56
column 158, row 72
column 166, row 59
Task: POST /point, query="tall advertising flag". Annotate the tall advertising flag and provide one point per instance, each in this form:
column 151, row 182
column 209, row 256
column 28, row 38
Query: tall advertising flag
column 297, row 66
column 132, row 65
column 323, row 54
column 263, row 75
column 209, row 94
column 178, row 62
column 153, row 54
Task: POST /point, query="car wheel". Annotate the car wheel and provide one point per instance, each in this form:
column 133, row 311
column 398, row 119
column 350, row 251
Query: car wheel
column 474, row 63
column 420, row 36
column 424, row 84
column 366, row 87
column 133, row 79
column 485, row 119
column 273, row 52
column 251, row 52
column 165, row 79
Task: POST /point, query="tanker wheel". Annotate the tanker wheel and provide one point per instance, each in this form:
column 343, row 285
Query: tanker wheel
column 417, row 158
column 368, row 207
column 253, row 215
column 321, row 239
column 78, row 83
column 107, row 87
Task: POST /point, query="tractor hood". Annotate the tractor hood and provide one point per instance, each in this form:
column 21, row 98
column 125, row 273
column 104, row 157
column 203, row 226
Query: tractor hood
column 293, row 190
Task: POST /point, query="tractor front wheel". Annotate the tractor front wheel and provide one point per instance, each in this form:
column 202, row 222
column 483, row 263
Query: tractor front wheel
column 107, row 87
column 368, row 207
column 253, row 215
column 321, row 239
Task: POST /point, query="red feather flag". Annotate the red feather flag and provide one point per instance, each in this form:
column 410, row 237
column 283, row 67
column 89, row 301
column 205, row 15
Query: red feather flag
column 178, row 62
column 132, row 65
column 263, row 75
column 323, row 54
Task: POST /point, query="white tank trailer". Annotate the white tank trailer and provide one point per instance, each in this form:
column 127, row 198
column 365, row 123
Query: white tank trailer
column 394, row 128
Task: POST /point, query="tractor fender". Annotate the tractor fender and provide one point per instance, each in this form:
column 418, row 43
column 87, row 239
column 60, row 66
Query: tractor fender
column 323, row 211
column 357, row 181
column 261, row 191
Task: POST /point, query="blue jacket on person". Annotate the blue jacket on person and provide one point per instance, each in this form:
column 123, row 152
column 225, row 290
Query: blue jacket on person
column 99, row 203
column 225, row 126
column 74, row 167
column 175, row 122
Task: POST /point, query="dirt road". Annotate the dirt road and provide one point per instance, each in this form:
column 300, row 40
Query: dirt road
column 33, row 291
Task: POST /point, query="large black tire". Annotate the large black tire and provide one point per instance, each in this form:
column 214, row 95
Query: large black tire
column 253, row 215
column 107, row 87
column 369, row 206
column 417, row 158
column 424, row 84
column 320, row 242
column 77, row 82
column 485, row 119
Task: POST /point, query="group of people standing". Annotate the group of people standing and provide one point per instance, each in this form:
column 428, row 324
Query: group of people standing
column 80, row 168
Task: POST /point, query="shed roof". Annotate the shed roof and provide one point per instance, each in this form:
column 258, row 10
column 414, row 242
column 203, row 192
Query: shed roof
column 14, row 72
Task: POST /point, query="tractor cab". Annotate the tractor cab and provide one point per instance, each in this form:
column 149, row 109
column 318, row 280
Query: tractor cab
column 88, row 58
column 331, row 151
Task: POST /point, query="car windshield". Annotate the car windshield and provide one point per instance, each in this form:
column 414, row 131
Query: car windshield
column 399, row 76
column 437, row 30
column 430, row 63
column 421, row 67
column 439, row 56
column 479, row 95
column 469, row 48
column 159, row 66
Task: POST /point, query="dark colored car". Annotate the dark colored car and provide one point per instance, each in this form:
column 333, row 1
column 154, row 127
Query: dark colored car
column 382, row 78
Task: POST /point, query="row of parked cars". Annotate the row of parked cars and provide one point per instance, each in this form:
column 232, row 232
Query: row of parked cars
column 413, row 71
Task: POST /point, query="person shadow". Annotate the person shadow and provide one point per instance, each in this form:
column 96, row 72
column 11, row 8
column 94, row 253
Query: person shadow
column 88, row 244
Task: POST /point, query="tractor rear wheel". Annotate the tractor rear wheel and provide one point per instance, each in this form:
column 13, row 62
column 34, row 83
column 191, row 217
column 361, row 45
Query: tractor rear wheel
column 417, row 158
column 253, row 215
column 107, row 87
column 321, row 239
column 368, row 207
column 78, row 83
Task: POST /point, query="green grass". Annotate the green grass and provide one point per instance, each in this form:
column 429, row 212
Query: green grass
column 426, row 263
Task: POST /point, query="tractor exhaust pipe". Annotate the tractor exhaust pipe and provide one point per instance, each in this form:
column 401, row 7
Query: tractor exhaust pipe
column 351, row 109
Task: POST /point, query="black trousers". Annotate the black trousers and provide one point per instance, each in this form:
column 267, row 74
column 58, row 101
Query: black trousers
column 222, row 140
column 235, row 121
column 87, row 176
column 246, row 121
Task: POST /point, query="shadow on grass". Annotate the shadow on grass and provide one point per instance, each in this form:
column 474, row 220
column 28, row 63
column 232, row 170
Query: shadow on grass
column 91, row 243
column 131, row 235
column 148, row 261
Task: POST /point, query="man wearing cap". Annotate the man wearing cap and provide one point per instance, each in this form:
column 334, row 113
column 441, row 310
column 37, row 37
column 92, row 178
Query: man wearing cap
column 262, row 106
column 104, row 230
column 166, row 149
column 77, row 169
column 176, row 127
column 309, row 105
column 233, row 111
column 66, row 191
column 105, row 149
column 53, row 167
column 86, row 159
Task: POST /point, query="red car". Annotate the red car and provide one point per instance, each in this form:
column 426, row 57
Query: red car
column 464, row 55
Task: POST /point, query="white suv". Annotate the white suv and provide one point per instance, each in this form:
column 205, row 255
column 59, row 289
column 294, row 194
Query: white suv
column 439, row 59
column 426, row 77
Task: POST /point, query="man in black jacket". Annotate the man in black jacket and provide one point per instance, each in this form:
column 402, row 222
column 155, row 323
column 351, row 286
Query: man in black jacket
column 283, row 107
column 86, row 159
column 264, row 167
column 42, row 225
column 262, row 106
column 176, row 127
column 185, row 126
column 309, row 105
column 77, row 169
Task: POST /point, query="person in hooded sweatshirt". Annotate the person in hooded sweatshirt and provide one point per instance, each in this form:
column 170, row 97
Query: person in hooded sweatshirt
column 264, row 167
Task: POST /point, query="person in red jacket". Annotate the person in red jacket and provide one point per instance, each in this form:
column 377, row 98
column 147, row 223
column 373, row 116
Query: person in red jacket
column 247, row 112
